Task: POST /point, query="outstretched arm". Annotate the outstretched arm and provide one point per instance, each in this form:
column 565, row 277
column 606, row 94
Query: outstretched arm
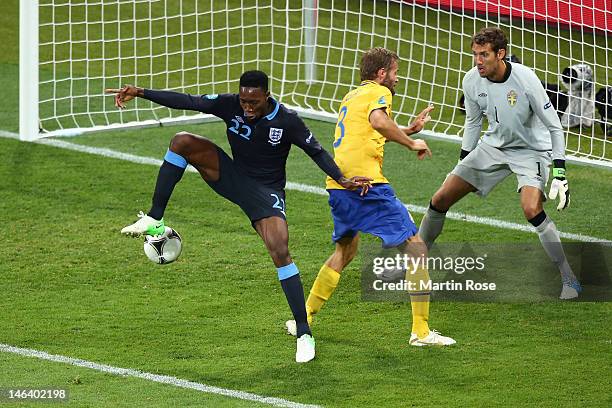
column 174, row 100
column 419, row 122
column 384, row 125
column 302, row 137
column 329, row 166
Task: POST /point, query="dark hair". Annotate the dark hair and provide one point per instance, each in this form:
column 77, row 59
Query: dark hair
column 493, row 36
column 254, row 79
column 375, row 59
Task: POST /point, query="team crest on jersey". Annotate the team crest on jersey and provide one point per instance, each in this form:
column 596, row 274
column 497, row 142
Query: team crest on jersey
column 511, row 97
column 275, row 136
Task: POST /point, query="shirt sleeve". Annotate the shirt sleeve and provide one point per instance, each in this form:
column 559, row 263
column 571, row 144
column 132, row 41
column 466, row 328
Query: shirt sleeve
column 473, row 119
column 542, row 107
column 302, row 137
column 213, row 103
column 381, row 101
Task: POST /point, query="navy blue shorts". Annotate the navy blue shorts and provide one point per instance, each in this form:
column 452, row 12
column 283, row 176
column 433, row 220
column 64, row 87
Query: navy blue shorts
column 256, row 200
column 379, row 213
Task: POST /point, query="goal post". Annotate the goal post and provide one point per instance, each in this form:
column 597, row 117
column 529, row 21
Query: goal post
column 310, row 40
column 71, row 50
column 28, row 70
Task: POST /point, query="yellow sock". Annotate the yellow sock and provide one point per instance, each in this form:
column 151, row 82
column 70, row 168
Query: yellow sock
column 322, row 289
column 419, row 301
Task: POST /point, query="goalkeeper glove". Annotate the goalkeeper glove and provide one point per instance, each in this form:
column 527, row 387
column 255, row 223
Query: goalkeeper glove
column 559, row 185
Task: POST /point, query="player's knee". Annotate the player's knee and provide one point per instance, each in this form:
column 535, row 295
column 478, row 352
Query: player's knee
column 180, row 142
column 339, row 259
column 531, row 210
column 280, row 254
column 418, row 249
column 349, row 254
column 441, row 200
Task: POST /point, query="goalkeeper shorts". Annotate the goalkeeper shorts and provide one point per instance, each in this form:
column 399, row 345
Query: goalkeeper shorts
column 487, row 166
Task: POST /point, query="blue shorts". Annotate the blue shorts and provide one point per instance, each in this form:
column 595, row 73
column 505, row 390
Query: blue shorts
column 379, row 213
column 256, row 200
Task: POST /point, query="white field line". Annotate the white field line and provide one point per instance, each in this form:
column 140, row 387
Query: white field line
column 492, row 222
column 163, row 379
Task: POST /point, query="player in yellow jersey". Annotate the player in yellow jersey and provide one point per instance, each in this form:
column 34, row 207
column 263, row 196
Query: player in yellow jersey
column 364, row 126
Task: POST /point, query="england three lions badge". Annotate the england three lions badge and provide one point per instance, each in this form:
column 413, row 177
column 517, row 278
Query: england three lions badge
column 275, row 136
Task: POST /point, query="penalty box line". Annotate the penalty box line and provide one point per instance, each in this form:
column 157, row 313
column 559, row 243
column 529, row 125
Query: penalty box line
column 491, row 222
column 162, row 379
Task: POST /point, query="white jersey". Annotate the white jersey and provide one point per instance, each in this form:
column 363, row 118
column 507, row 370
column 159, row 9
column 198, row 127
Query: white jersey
column 517, row 109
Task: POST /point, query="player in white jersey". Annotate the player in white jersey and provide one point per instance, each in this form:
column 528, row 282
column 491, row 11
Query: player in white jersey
column 524, row 136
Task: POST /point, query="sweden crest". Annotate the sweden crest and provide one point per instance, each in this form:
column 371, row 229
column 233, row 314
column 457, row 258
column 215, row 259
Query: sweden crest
column 511, row 97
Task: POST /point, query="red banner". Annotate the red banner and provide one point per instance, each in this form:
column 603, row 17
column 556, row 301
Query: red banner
column 591, row 14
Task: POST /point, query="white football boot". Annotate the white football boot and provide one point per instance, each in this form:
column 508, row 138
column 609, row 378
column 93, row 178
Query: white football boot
column 305, row 349
column 291, row 327
column 570, row 290
column 145, row 225
column 432, row 339
column 393, row 275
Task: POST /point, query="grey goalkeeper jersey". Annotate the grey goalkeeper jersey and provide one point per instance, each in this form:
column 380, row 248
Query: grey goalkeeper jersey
column 517, row 109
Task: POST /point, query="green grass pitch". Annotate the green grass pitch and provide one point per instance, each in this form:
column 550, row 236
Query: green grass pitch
column 72, row 286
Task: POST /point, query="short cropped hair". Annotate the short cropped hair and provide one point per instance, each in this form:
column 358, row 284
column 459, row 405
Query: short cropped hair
column 254, row 79
column 493, row 36
column 375, row 59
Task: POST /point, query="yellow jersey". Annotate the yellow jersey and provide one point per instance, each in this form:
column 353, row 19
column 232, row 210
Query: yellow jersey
column 358, row 148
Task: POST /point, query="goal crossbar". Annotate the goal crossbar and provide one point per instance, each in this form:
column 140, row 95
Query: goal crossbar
column 70, row 50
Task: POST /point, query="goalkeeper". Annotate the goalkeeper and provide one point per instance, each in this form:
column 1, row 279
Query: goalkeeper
column 524, row 136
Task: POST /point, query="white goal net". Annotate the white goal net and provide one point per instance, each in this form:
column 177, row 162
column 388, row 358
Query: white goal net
column 310, row 49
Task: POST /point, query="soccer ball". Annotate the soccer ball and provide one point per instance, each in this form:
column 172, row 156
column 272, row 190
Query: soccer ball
column 163, row 249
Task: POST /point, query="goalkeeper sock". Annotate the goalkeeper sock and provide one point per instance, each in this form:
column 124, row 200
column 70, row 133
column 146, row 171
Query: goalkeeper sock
column 170, row 173
column 322, row 289
column 431, row 225
column 549, row 237
column 419, row 302
column 291, row 283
